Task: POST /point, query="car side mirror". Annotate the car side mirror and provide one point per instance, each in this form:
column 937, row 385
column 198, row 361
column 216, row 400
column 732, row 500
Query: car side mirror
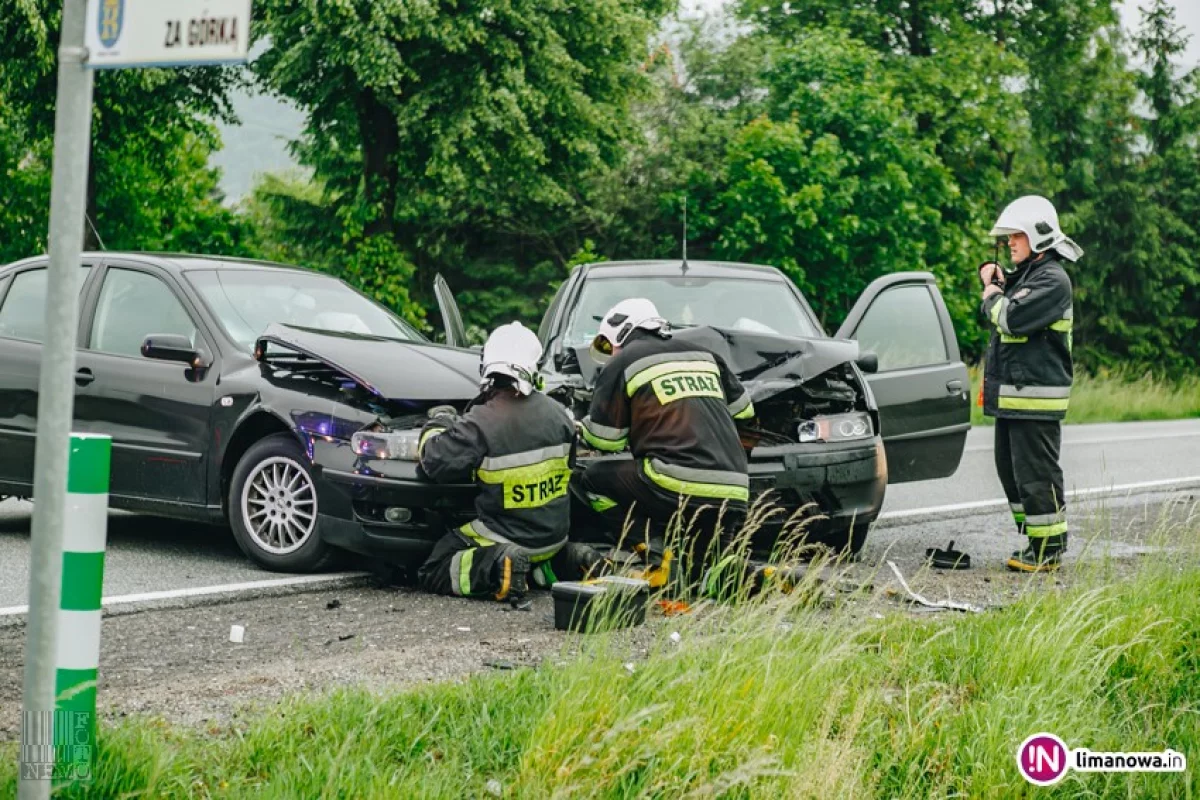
column 868, row 362
column 173, row 347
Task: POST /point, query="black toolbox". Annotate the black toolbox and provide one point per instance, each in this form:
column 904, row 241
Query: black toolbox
column 600, row 604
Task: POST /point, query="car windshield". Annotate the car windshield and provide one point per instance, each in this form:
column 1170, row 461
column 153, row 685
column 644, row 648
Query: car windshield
column 246, row 301
column 740, row 304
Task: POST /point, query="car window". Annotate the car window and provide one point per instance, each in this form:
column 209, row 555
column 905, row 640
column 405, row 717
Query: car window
column 904, row 329
column 23, row 314
column 548, row 318
column 247, row 301
column 743, row 304
column 132, row 306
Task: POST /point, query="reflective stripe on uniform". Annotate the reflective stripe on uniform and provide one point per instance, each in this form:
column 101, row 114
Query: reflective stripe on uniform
column 1042, row 531
column 1018, row 511
column 641, row 364
column 425, row 437
column 743, row 407
column 530, row 479
column 999, row 315
column 602, row 437
column 460, row 572
column 1006, row 339
column 692, row 482
column 1034, row 398
column 484, row 536
column 675, row 365
column 601, row 503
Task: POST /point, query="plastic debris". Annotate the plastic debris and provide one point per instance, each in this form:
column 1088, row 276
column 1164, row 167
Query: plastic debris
column 945, row 605
column 494, row 788
column 671, row 608
column 237, row 634
column 675, row 637
column 630, row 668
column 332, row 604
column 463, row 629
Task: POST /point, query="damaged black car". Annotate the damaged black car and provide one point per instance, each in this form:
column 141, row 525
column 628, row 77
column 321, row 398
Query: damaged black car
column 283, row 403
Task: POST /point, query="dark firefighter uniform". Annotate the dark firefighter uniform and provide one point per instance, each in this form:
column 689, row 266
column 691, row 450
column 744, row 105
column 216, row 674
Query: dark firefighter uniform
column 673, row 405
column 518, row 450
column 1026, row 387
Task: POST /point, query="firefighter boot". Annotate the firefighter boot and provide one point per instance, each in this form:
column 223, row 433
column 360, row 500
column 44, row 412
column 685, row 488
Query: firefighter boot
column 510, row 573
column 580, row 561
column 1042, row 554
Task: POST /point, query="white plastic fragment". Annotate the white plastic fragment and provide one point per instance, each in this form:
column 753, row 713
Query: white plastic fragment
column 629, row 667
column 940, row 604
column 494, row 788
column 463, row 629
column 675, row 637
column 237, row 634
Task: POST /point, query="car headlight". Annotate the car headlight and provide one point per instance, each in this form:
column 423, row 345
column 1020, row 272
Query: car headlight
column 836, row 428
column 395, row 445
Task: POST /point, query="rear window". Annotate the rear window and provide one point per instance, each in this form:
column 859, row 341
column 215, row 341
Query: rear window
column 741, row 304
column 23, row 314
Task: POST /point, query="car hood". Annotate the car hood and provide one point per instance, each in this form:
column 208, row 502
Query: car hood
column 766, row 364
column 389, row 368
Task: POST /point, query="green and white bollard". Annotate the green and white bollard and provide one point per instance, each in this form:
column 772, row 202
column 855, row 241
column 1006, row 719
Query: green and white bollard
column 78, row 649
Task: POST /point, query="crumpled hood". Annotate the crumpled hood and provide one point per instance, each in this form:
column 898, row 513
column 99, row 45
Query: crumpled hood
column 765, row 363
column 389, row 368
column 768, row 364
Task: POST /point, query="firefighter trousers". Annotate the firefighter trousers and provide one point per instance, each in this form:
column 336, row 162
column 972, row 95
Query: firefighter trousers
column 465, row 566
column 615, row 500
column 1027, row 453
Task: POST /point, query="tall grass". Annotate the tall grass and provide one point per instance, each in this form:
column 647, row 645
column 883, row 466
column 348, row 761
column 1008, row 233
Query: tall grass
column 766, row 698
column 1118, row 397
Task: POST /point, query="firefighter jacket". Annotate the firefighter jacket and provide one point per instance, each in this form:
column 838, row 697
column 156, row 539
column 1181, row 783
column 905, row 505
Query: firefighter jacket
column 519, row 451
column 1028, row 370
column 674, row 405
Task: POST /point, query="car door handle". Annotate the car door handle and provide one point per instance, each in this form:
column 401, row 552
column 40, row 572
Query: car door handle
column 954, row 387
column 83, row 377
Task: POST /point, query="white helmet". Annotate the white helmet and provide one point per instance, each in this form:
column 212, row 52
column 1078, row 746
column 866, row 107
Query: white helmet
column 620, row 321
column 515, row 351
column 1034, row 216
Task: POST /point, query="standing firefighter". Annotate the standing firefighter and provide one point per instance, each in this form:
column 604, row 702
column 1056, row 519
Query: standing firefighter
column 673, row 405
column 1028, row 373
column 518, row 447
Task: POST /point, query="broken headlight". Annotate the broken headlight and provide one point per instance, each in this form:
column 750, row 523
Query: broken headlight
column 836, row 428
column 396, row 445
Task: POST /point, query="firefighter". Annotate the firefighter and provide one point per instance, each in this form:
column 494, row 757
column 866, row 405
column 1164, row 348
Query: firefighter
column 1028, row 373
column 517, row 445
column 673, row 404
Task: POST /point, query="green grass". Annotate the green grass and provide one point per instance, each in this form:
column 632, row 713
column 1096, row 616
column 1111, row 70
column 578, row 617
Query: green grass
column 1117, row 398
column 770, row 699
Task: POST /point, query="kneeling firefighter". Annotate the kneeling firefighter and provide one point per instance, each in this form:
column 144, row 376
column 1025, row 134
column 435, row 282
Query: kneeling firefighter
column 1028, row 373
column 517, row 445
column 673, row 404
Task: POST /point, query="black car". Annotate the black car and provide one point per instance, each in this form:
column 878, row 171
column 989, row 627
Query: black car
column 266, row 396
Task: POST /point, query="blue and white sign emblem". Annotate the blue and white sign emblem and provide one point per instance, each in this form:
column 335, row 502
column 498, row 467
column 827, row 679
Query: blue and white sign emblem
column 110, row 21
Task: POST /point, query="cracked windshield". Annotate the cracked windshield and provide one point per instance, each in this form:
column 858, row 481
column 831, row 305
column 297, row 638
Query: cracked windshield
column 741, row 305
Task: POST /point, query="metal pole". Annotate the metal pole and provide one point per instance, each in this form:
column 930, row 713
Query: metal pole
column 56, row 389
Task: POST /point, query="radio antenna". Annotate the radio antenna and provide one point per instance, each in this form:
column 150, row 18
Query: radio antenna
column 683, row 267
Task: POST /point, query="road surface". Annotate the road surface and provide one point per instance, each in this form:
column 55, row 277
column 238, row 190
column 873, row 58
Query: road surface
column 149, row 556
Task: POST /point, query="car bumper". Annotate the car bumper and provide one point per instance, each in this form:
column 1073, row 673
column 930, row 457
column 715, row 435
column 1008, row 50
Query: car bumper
column 842, row 483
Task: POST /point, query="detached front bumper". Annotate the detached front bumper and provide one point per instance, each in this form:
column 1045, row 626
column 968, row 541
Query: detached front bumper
column 354, row 496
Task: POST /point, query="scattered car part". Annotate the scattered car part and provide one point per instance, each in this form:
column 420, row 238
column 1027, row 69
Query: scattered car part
column 944, row 605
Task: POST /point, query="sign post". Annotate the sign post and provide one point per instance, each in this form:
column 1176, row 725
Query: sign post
column 95, row 34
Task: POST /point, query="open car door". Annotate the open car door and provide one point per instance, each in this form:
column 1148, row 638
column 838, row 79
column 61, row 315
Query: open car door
column 452, row 324
column 921, row 387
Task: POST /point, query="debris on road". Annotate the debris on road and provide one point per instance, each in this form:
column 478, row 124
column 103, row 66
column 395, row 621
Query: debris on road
column 237, row 634
column 494, row 788
column 948, row 558
column 332, row 604
column 944, row 605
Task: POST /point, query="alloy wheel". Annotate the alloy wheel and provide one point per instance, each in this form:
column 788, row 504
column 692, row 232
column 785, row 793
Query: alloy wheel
column 279, row 505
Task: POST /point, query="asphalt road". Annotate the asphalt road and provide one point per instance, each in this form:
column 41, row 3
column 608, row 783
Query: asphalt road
column 147, row 555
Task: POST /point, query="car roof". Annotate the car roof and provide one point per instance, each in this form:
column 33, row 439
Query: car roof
column 179, row 262
column 675, row 268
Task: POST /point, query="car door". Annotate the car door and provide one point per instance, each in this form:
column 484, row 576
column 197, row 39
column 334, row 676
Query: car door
column 22, row 329
column 456, row 332
column 157, row 412
column 921, row 387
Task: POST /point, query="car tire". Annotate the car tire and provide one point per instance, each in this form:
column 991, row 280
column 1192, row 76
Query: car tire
column 273, row 508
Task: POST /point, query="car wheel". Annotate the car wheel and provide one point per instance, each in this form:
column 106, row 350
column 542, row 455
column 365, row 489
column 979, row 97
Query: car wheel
column 273, row 508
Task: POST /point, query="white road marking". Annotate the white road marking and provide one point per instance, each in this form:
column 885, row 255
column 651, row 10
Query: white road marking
column 980, row 448
column 204, row 591
column 1076, row 494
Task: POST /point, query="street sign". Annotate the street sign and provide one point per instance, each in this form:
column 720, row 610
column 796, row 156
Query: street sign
column 166, row 33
